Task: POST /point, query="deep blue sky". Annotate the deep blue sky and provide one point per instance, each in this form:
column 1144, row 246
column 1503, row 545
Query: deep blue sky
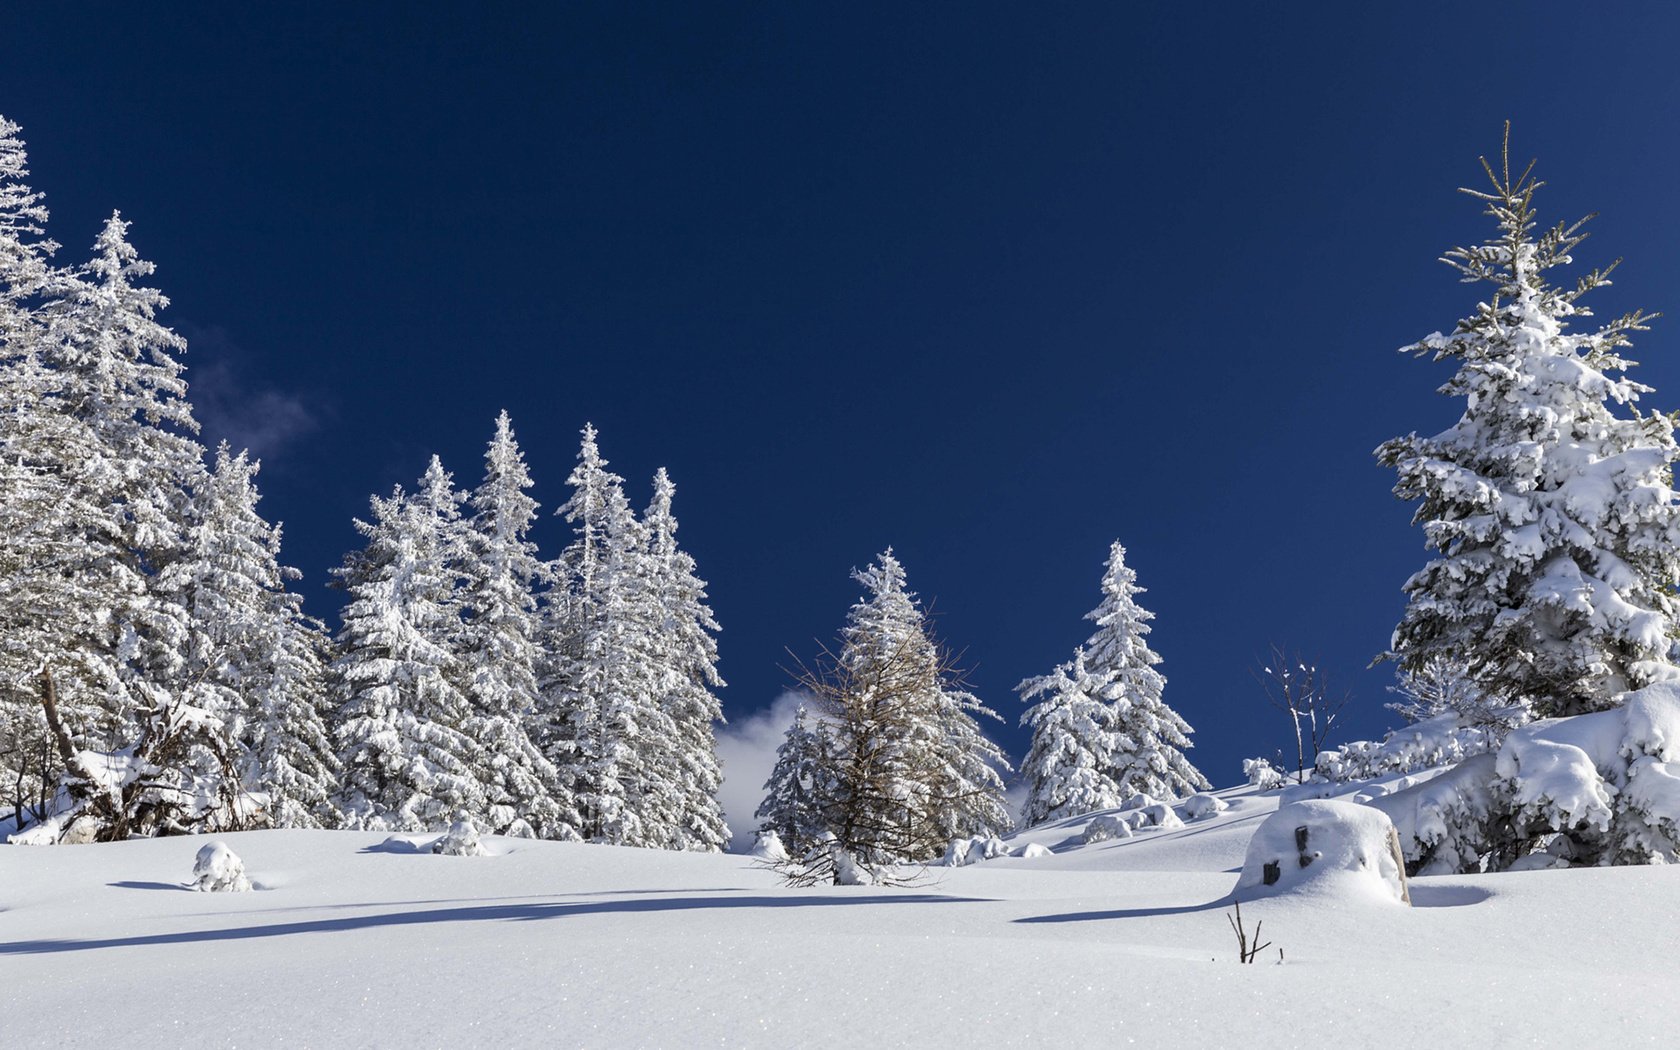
column 995, row 285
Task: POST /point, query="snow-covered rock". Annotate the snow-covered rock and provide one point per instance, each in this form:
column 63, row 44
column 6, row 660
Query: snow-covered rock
column 1338, row 847
column 1035, row 850
column 218, row 869
column 461, row 840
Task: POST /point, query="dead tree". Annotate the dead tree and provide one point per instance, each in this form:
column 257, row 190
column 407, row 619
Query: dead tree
column 1301, row 689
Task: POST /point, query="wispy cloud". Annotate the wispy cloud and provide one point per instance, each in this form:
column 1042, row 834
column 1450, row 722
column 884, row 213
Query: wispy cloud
column 264, row 419
column 747, row 749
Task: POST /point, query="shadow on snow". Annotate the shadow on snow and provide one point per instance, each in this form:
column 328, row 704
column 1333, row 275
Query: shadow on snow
column 476, row 913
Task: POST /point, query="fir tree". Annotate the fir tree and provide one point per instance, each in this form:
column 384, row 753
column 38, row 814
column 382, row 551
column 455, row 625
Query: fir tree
column 1553, row 520
column 1103, row 733
column 603, row 725
column 498, row 647
column 905, row 767
column 255, row 657
column 685, row 653
column 799, row 781
column 408, row 763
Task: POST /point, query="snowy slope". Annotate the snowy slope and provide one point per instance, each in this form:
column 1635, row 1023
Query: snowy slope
column 349, row 942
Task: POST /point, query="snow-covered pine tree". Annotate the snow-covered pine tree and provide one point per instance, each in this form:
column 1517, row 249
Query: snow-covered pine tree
column 906, row 767
column 1070, row 765
column 498, row 648
column 686, row 662
column 603, row 726
column 1556, row 529
column 1106, row 709
column 793, row 795
column 35, row 504
column 255, row 658
column 112, row 438
column 408, row 764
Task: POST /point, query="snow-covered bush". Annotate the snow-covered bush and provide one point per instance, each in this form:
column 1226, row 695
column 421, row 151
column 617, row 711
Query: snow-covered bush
column 218, row 869
column 1108, row 826
column 461, row 840
column 1444, row 823
column 1202, row 806
column 1442, row 740
column 1601, row 788
column 1034, row 851
column 1262, row 774
column 1340, row 847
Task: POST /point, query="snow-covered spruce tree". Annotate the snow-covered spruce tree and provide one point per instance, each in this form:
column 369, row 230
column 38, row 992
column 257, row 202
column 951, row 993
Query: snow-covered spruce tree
column 1103, row 733
column 1556, row 529
column 1070, row 765
column 906, row 767
column 408, row 763
column 31, row 500
column 498, row 648
column 255, row 658
column 686, row 662
column 114, row 438
column 602, row 723
column 791, row 806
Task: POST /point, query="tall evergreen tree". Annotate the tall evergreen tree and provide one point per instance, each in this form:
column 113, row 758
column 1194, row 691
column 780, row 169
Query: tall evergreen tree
column 498, row 647
column 905, row 767
column 604, row 726
column 255, row 658
column 798, row 782
column 1104, row 733
column 685, row 655
column 1554, row 523
column 408, row 762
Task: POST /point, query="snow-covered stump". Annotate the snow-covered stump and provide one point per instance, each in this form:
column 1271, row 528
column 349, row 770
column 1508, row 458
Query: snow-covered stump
column 461, row 840
column 1202, row 806
column 219, row 870
column 1323, row 844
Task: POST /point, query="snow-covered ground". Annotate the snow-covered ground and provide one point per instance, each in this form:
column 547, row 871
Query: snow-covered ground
column 350, row 940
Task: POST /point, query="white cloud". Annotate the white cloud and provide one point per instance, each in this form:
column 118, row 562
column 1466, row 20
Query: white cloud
column 747, row 750
column 264, row 421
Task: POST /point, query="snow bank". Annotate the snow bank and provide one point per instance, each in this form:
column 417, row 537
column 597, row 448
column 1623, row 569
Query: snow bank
column 219, row 870
column 1341, row 847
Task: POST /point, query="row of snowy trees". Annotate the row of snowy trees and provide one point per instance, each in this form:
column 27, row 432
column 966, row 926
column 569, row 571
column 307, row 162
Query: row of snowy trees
column 157, row 675
column 572, row 699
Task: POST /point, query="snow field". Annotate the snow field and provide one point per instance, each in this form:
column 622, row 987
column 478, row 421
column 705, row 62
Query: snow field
column 347, row 939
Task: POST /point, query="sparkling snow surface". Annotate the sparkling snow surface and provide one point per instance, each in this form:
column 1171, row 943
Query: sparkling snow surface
column 347, row 940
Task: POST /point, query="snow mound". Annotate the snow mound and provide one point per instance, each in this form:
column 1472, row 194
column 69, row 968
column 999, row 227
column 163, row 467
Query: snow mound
column 963, row 852
column 219, row 870
column 1108, row 826
column 1035, row 850
column 1343, row 847
column 1161, row 815
column 461, row 840
column 768, row 847
column 1202, row 806
column 1139, row 801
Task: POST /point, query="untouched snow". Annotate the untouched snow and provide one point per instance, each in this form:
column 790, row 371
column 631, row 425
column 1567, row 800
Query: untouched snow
column 353, row 939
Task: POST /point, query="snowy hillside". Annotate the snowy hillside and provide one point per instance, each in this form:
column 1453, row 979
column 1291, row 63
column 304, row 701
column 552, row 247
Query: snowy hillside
column 355, row 939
